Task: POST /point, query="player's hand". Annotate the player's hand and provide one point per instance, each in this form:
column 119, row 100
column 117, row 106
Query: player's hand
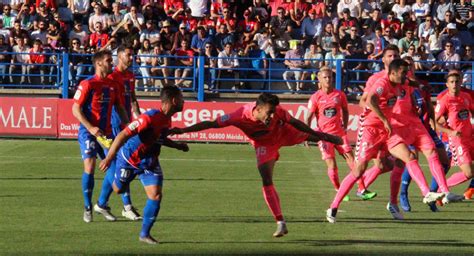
column 96, row 131
column 183, row 146
column 104, row 164
column 175, row 130
column 455, row 133
column 306, row 144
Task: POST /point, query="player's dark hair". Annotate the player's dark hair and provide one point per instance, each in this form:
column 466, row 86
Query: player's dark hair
column 268, row 98
column 169, row 92
column 100, row 55
column 397, row 64
column 122, row 48
column 391, row 47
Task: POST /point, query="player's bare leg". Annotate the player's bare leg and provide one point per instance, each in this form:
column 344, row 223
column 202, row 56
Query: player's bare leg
column 271, row 197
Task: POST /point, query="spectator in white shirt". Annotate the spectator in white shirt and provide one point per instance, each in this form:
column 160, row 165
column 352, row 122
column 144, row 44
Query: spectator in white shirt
column 137, row 18
column 19, row 60
column 41, row 33
column 227, row 62
column 98, row 16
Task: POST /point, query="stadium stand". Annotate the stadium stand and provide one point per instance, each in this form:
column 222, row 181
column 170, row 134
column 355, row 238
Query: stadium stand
column 214, row 47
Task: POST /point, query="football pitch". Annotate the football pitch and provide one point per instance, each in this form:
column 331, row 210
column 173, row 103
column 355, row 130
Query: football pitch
column 213, row 204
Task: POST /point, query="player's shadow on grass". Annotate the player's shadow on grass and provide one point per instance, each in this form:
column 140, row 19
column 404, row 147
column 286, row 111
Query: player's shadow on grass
column 448, row 243
column 10, row 196
column 375, row 220
column 40, row 178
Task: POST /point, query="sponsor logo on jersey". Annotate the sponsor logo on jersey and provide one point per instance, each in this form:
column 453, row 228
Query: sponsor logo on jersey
column 463, row 114
column 391, row 102
column 330, row 112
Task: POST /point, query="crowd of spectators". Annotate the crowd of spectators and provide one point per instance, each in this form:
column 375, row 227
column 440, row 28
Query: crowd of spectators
column 302, row 35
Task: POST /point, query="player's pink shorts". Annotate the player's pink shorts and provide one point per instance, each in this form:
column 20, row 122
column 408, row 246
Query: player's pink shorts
column 269, row 151
column 396, row 137
column 370, row 140
column 327, row 148
column 418, row 136
column 462, row 150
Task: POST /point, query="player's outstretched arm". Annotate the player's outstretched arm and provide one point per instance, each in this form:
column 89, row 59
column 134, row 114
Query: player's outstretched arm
column 118, row 142
column 195, row 128
column 183, row 146
column 320, row 135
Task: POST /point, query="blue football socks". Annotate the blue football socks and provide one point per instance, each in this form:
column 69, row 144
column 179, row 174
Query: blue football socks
column 150, row 213
column 87, row 188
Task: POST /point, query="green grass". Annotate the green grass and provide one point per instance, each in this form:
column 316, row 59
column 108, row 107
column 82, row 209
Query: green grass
column 212, row 205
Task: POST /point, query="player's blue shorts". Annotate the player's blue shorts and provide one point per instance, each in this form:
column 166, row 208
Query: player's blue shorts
column 436, row 139
column 89, row 145
column 126, row 173
column 115, row 130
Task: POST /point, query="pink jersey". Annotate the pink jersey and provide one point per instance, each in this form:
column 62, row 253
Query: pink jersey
column 387, row 95
column 256, row 130
column 370, row 82
column 403, row 111
column 328, row 110
column 458, row 111
column 373, row 78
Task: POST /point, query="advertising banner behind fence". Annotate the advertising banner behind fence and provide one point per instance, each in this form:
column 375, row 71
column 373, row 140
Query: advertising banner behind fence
column 28, row 117
column 37, row 117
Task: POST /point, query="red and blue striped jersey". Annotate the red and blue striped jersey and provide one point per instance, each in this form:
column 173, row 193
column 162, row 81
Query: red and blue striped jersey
column 96, row 96
column 148, row 132
column 126, row 86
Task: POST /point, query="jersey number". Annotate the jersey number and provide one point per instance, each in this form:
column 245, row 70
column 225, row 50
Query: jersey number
column 261, row 151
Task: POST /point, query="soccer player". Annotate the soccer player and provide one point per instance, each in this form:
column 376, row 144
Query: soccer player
column 269, row 127
column 137, row 148
column 377, row 135
column 457, row 107
column 414, row 133
column 329, row 107
column 470, row 190
column 126, row 92
column 425, row 110
column 93, row 102
column 381, row 163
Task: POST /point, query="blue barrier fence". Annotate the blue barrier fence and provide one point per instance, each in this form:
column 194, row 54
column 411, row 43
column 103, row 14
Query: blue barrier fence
column 63, row 71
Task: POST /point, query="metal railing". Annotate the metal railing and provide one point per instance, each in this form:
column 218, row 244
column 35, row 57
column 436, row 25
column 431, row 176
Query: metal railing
column 64, row 71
